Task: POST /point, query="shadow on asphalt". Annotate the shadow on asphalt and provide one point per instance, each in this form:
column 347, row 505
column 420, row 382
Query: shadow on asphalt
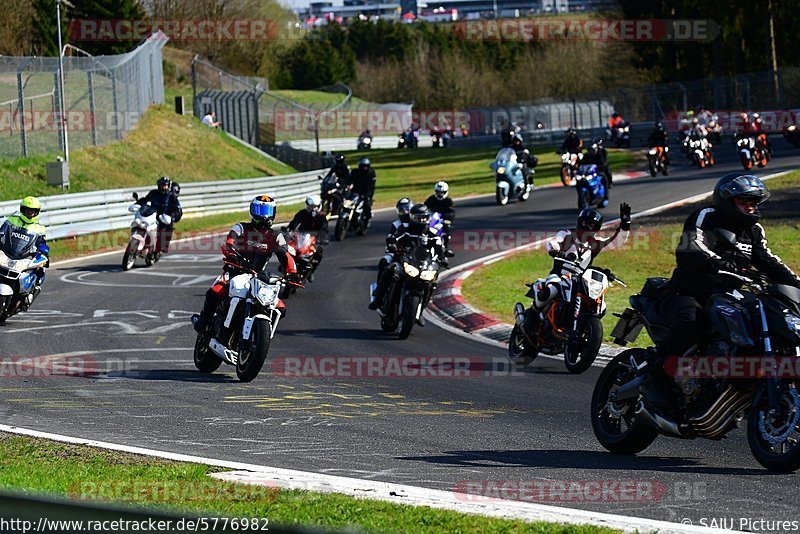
column 102, row 268
column 171, row 375
column 593, row 460
column 339, row 333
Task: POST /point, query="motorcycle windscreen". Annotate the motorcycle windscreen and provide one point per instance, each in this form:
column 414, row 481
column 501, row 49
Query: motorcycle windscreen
column 420, row 256
column 147, row 210
column 17, row 243
column 587, row 170
column 506, row 154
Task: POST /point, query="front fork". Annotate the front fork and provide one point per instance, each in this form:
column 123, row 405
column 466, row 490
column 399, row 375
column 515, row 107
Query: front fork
column 773, row 385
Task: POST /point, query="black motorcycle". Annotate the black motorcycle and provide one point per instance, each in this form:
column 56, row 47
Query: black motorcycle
column 331, row 194
column 759, row 321
column 351, row 215
column 413, row 282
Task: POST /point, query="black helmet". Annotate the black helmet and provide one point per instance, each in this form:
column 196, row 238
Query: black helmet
column 163, row 183
column 571, row 132
column 364, row 162
column 660, row 126
column 517, row 139
column 598, row 142
column 339, row 159
column 738, row 185
column 403, row 208
column 589, row 220
column 419, row 216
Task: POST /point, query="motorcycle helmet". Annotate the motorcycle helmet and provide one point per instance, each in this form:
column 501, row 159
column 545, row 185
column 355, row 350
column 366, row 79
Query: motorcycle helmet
column 419, row 216
column 745, row 187
column 441, row 189
column 571, row 132
column 339, row 159
column 29, row 210
column 262, row 210
column 516, row 140
column 403, row 207
column 589, row 222
column 313, row 204
column 163, row 184
column 660, row 126
column 364, row 163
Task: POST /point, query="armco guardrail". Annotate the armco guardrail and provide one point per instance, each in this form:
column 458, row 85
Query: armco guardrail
column 100, row 211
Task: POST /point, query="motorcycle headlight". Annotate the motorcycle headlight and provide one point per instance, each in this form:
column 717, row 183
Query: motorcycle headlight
column 264, row 293
column 428, row 275
column 626, row 129
column 594, row 289
column 652, row 151
column 410, row 270
column 501, row 170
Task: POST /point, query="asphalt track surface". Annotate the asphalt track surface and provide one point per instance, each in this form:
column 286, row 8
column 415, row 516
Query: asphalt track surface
column 438, row 432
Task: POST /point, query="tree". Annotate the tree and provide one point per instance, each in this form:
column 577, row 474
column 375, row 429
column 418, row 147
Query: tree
column 95, row 10
column 45, row 30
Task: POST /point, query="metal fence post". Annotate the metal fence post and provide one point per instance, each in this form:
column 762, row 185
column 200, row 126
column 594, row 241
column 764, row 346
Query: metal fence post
column 21, row 107
column 115, row 105
column 90, row 83
column 59, row 114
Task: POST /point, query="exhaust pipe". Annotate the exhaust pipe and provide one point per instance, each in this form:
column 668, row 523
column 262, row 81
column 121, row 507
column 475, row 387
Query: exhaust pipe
column 653, row 419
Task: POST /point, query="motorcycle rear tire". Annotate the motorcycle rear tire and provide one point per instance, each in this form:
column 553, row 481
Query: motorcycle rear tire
column 248, row 368
column 204, row 359
column 409, row 316
column 519, row 347
column 635, row 438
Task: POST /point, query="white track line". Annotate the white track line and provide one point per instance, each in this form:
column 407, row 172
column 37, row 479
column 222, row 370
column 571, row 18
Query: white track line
column 387, row 491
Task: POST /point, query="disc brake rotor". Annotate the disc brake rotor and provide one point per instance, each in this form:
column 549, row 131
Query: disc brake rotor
column 780, row 433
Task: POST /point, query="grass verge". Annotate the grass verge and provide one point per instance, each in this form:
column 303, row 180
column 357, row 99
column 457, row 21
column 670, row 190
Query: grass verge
column 650, row 251
column 163, row 143
column 78, row 472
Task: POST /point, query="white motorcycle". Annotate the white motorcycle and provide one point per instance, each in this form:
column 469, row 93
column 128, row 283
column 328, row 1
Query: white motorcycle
column 20, row 266
column 242, row 327
column 569, row 166
column 144, row 229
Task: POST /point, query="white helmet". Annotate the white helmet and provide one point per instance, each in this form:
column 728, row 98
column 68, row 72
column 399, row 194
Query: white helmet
column 313, row 204
column 441, row 189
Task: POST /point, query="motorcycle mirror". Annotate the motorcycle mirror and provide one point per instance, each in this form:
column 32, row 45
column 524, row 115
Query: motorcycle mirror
column 726, row 237
column 319, row 177
column 135, row 196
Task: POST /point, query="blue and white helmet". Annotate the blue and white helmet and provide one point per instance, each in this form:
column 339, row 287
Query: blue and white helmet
column 263, row 209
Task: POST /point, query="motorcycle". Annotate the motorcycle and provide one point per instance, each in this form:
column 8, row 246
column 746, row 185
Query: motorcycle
column 621, row 135
column 242, row 327
column 144, row 230
column 792, row 135
column 750, row 153
column 590, row 187
column 413, row 283
column 714, row 129
column 21, row 264
column 569, row 166
column 657, row 160
column 700, row 150
column 331, row 194
column 436, row 139
column 759, row 320
column 509, row 178
column 401, row 140
column 364, row 142
column 303, row 248
column 569, row 324
column 351, row 215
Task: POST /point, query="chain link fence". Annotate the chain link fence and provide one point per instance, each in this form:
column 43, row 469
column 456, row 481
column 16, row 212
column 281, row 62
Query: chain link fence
column 104, row 98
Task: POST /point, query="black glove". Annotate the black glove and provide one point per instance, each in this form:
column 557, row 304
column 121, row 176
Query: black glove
column 725, row 265
column 391, row 247
column 553, row 253
column 625, row 216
